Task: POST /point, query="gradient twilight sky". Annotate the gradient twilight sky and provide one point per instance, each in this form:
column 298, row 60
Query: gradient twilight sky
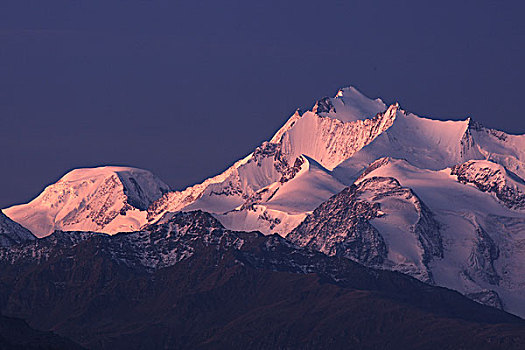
column 185, row 88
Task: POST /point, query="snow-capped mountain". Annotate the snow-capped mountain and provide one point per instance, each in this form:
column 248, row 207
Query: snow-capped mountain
column 317, row 140
column 439, row 200
column 106, row 199
column 442, row 201
column 340, row 137
column 12, row 233
column 429, row 224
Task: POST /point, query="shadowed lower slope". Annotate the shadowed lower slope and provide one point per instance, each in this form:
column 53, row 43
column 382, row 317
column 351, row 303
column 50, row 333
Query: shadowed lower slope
column 232, row 290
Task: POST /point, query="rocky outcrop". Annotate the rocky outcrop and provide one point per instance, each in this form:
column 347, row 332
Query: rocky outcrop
column 483, row 256
column 12, row 233
column 341, row 227
column 344, row 226
column 494, row 178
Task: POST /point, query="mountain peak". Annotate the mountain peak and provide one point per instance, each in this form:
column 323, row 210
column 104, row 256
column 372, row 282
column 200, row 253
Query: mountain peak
column 90, row 173
column 352, row 93
column 349, row 104
column 473, row 124
column 103, row 199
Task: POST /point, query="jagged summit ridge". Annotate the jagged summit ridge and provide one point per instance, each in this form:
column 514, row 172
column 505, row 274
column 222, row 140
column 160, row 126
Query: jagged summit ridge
column 348, row 105
column 328, row 138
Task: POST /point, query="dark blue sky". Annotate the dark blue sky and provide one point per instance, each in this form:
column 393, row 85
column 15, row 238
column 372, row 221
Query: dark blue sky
column 186, row 88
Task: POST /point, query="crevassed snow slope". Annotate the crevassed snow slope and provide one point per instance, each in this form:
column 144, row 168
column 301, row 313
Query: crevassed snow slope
column 105, row 199
column 484, row 254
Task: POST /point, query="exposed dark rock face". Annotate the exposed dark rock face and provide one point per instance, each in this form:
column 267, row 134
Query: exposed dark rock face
column 156, row 247
column 271, row 150
column 230, row 188
column 467, row 140
column 341, row 226
column 292, row 171
column 427, row 231
column 492, row 179
column 483, row 256
column 324, row 105
column 12, row 233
